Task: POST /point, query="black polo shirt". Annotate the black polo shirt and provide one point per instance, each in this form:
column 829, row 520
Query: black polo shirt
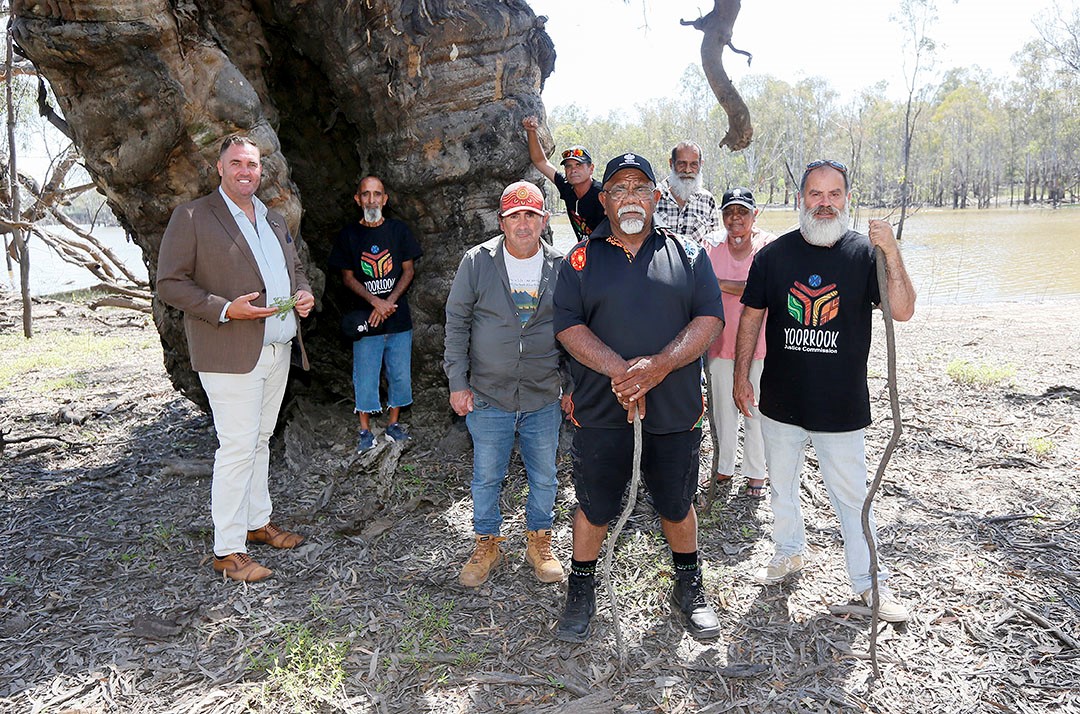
column 585, row 213
column 636, row 305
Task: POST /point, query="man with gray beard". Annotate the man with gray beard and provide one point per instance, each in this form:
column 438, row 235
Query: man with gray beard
column 636, row 306
column 684, row 206
column 376, row 256
column 819, row 286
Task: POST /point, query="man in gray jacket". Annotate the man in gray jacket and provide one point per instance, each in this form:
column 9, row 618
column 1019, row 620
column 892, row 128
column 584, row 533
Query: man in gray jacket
column 502, row 363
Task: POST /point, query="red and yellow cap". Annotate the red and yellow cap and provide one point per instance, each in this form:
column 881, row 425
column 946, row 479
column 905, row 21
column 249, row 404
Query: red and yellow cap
column 521, row 196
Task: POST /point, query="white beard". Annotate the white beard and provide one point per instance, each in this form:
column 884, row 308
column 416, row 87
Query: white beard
column 684, row 188
column 823, row 231
column 373, row 215
column 633, row 222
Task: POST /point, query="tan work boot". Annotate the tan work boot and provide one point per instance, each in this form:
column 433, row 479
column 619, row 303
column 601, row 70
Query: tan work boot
column 547, row 567
column 486, row 556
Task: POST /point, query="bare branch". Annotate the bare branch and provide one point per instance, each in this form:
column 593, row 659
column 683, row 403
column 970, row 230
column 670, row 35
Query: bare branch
column 717, row 28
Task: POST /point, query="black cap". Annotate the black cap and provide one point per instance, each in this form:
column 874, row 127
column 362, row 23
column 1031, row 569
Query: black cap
column 738, row 197
column 577, row 153
column 628, row 160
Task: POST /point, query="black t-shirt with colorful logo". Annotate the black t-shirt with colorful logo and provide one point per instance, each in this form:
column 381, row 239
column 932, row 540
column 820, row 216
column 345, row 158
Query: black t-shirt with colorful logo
column 817, row 332
column 585, row 213
column 375, row 255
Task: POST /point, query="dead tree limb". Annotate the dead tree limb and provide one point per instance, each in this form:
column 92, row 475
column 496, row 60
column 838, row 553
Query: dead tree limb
column 717, row 27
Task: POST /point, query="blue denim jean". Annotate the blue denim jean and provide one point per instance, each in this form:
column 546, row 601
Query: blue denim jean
column 369, row 355
column 493, row 433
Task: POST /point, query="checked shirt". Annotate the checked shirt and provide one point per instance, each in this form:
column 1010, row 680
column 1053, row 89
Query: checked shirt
column 697, row 218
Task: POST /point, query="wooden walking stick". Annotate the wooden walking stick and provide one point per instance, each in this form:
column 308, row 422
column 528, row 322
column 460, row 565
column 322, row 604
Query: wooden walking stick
column 894, row 402
column 613, row 536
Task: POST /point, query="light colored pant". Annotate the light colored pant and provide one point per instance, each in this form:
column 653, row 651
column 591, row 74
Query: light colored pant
column 842, row 459
column 245, row 408
column 725, row 421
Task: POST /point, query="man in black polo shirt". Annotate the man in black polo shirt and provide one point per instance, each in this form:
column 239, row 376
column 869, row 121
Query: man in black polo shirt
column 636, row 306
column 578, row 189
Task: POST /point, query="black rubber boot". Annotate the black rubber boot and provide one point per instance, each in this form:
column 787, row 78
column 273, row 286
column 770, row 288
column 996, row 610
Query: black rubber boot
column 580, row 607
column 688, row 596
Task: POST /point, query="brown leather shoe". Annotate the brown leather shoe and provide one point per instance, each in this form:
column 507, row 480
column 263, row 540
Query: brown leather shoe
column 274, row 537
column 240, row 566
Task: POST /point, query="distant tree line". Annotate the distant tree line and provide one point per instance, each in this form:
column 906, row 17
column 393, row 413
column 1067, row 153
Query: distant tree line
column 980, row 140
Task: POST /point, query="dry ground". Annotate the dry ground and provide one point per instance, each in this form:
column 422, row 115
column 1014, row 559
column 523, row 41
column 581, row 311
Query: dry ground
column 108, row 604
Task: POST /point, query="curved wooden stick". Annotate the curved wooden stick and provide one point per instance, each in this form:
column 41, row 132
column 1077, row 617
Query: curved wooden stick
column 613, row 536
column 894, row 402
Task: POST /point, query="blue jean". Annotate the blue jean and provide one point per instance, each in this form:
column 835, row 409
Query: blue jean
column 842, row 460
column 369, row 355
column 493, row 433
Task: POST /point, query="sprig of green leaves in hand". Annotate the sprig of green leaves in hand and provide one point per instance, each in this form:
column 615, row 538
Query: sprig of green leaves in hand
column 284, row 306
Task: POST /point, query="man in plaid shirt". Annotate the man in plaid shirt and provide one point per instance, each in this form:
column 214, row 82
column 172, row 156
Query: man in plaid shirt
column 684, row 206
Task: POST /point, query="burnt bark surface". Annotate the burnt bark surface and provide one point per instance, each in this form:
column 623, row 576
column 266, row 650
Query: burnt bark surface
column 428, row 94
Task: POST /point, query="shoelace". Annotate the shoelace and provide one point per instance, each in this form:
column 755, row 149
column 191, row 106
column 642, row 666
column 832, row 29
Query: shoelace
column 543, row 548
column 482, row 549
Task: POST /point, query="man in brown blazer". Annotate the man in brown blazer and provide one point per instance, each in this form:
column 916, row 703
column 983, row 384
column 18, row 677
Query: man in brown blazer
column 226, row 261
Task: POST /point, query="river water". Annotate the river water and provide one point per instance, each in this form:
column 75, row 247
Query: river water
column 969, row 256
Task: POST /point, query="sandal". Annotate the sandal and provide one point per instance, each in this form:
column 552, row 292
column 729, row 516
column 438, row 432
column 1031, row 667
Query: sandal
column 755, row 491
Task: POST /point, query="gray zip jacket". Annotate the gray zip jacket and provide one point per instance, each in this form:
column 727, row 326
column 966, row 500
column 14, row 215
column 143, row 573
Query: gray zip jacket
column 513, row 367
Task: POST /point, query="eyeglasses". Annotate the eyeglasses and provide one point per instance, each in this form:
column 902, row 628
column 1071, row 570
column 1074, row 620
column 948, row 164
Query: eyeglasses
column 643, row 191
column 575, row 154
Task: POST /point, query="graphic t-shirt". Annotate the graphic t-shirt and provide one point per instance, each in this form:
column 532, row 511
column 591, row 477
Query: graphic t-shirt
column 820, row 303
column 375, row 255
column 524, row 277
column 585, row 213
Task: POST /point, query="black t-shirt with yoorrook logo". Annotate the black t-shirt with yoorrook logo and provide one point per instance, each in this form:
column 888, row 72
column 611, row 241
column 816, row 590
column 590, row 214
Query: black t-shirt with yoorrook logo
column 817, row 332
column 375, row 255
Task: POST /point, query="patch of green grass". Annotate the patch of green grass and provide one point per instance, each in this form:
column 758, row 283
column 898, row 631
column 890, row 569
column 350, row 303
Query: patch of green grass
column 10, row 580
column 303, row 662
column 303, row 666
column 982, row 375
column 54, row 357
column 1041, row 446
column 70, row 381
column 427, row 631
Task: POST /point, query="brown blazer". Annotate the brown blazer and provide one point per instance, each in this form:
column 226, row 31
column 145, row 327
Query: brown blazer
column 205, row 262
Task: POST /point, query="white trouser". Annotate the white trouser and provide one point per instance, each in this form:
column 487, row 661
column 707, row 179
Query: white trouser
column 842, row 459
column 245, row 408
column 725, row 420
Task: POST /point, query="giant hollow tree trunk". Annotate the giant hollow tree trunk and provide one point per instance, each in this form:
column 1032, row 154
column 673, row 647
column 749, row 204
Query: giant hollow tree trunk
column 428, row 94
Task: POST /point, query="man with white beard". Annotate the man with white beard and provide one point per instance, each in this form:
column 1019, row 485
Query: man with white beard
column 376, row 257
column 684, row 206
column 819, row 286
column 635, row 307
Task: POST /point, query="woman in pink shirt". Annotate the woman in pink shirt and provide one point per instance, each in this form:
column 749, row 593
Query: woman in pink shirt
column 731, row 259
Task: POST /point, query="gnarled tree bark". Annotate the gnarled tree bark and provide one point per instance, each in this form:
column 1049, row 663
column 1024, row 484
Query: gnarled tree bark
column 429, row 94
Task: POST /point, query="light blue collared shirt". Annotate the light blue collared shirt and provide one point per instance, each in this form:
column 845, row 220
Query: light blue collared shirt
column 271, row 260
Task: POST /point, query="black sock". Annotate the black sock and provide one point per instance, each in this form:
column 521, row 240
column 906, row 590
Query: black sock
column 583, row 568
column 685, row 563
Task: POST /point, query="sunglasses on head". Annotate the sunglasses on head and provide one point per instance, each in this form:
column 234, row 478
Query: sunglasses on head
column 827, row 162
column 574, row 154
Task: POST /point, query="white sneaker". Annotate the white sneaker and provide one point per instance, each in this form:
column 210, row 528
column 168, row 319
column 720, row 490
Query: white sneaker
column 778, row 568
column 889, row 608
